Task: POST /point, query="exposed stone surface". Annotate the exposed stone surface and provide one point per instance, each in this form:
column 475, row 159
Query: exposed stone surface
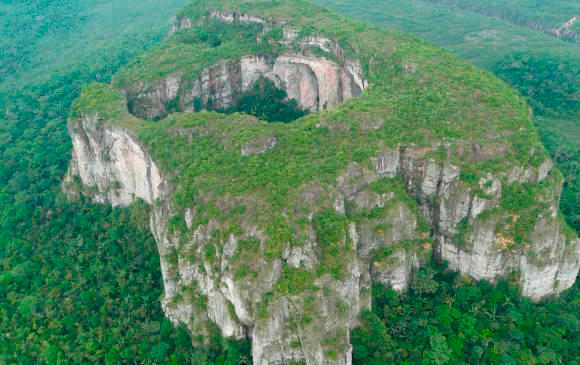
column 258, row 146
column 567, row 31
column 151, row 100
column 317, row 83
column 112, row 163
column 180, row 23
column 230, row 303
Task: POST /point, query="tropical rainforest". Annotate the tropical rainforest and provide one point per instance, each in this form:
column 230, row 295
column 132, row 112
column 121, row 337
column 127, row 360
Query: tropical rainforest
column 80, row 283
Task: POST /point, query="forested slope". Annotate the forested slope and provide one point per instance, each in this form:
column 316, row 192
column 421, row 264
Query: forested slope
column 38, row 38
column 557, row 18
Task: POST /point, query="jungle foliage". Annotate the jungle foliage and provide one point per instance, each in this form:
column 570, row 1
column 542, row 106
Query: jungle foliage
column 268, row 102
column 448, row 319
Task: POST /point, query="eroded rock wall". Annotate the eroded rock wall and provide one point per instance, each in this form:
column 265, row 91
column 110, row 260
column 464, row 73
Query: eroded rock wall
column 199, row 289
column 112, row 164
column 485, row 252
column 314, row 71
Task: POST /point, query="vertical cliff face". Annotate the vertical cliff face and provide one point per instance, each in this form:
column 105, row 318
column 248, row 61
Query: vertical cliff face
column 292, row 325
column 316, row 84
column 276, row 232
column 113, row 164
column 470, row 226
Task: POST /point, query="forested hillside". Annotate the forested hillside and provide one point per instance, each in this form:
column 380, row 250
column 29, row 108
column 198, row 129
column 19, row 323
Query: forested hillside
column 447, row 319
column 543, row 68
column 557, row 18
column 38, row 38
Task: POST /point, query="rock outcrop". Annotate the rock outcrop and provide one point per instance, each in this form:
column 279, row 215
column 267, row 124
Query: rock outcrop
column 200, row 289
column 277, row 232
column 316, row 84
column 112, row 163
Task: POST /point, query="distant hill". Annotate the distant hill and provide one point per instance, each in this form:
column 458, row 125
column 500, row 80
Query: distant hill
column 39, row 37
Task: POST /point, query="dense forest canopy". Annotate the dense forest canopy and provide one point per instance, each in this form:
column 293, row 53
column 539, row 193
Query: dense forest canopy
column 40, row 37
column 80, row 283
column 268, row 102
column 449, row 319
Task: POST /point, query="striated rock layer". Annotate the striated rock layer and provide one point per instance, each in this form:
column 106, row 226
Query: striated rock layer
column 276, row 232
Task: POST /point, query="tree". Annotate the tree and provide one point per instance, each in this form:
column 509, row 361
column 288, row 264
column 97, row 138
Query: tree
column 438, row 353
column 371, row 342
column 268, row 102
column 423, row 282
column 159, row 352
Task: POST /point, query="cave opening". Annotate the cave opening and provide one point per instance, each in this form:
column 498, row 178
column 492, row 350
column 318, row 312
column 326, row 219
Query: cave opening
column 264, row 100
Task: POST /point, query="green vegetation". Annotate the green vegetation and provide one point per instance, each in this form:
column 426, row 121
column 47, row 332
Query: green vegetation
column 550, row 84
column 295, row 282
column 268, row 102
column 463, row 229
column 518, row 197
column 544, row 16
column 547, row 81
column 447, row 319
column 397, row 187
column 190, row 51
column 91, row 295
column 38, row 38
column 542, row 68
column 482, row 39
column 331, row 235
